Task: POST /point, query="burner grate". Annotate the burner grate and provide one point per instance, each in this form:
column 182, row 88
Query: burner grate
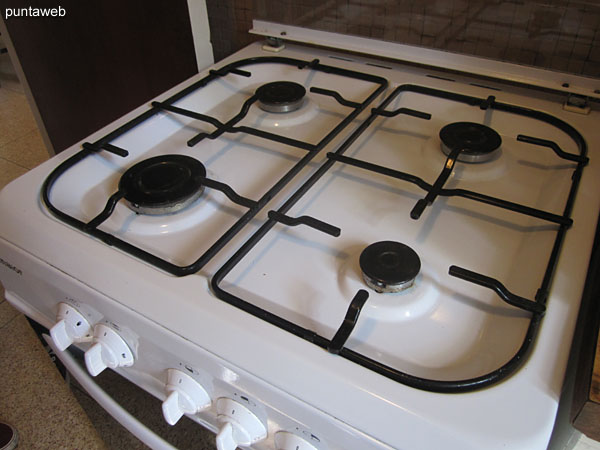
column 253, row 206
column 337, row 344
column 536, row 308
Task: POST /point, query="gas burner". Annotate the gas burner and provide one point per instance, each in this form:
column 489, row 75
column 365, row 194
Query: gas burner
column 163, row 184
column 478, row 143
column 280, row 96
column 389, row 266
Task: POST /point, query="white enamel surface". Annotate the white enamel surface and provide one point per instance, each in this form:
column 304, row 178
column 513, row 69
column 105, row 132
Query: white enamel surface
column 437, row 58
column 285, row 440
column 319, row 389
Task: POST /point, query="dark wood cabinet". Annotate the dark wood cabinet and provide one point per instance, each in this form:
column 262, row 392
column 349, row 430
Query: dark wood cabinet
column 585, row 410
column 100, row 60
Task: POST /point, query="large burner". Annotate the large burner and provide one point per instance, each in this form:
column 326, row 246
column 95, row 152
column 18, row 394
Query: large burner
column 389, row 266
column 163, row 184
column 280, row 96
column 478, row 143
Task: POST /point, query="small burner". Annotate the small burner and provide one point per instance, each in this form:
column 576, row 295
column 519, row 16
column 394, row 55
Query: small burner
column 163, row 184
column 389, row 266
column 280, row 96
column 478, row 143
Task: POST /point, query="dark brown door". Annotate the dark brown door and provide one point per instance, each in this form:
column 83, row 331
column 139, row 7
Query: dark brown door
column 100, row 60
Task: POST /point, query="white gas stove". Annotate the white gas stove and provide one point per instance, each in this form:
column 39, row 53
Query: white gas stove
column 308, row 250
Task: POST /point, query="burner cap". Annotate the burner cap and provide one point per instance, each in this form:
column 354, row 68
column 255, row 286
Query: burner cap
column 389, row 266
column 163, row 184
column 478, row 143
column 280, row 96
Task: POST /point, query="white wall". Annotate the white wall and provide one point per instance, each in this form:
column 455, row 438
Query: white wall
column 201, row 33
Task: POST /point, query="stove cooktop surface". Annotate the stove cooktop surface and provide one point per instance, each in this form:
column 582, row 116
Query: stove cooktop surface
column 293, row 195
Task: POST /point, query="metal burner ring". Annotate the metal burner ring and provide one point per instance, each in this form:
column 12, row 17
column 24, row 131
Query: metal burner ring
column 280, row 96
column 478, row 143
column 162, row 185
column 389, row 266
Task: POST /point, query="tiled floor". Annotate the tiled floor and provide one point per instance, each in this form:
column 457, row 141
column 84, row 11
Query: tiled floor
column 21, row 149
column 21, row 146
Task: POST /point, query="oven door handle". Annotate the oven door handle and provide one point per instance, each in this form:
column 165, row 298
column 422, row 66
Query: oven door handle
column 135, row 427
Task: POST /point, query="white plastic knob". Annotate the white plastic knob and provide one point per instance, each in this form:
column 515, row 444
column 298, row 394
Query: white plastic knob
column 225, row 439
column 71, row 326
column 285, row 440
column 109, row 350
column 239, row 425
column 184, row 396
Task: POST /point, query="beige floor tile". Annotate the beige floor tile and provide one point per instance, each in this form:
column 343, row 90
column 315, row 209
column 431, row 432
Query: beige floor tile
column 5, row 94
column 9, row 88
column 37, row 401
column 8, row 76
column 16, row 119
column 586, row 443
column 7, row 312
column 27, row 151
column 9, row 171
column 11, row 83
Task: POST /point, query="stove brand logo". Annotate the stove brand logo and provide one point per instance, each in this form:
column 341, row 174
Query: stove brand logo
column 35, row 12
column 11, row 267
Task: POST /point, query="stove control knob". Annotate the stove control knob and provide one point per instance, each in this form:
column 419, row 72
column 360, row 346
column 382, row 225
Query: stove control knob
column 109, row 350
column 285, row 440
column 71, row 326
column 239, row 425
column 184, row 396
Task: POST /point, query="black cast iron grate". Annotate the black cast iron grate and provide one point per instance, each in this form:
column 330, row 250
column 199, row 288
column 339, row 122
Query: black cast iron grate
column 253, row 206
column 535, row 307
